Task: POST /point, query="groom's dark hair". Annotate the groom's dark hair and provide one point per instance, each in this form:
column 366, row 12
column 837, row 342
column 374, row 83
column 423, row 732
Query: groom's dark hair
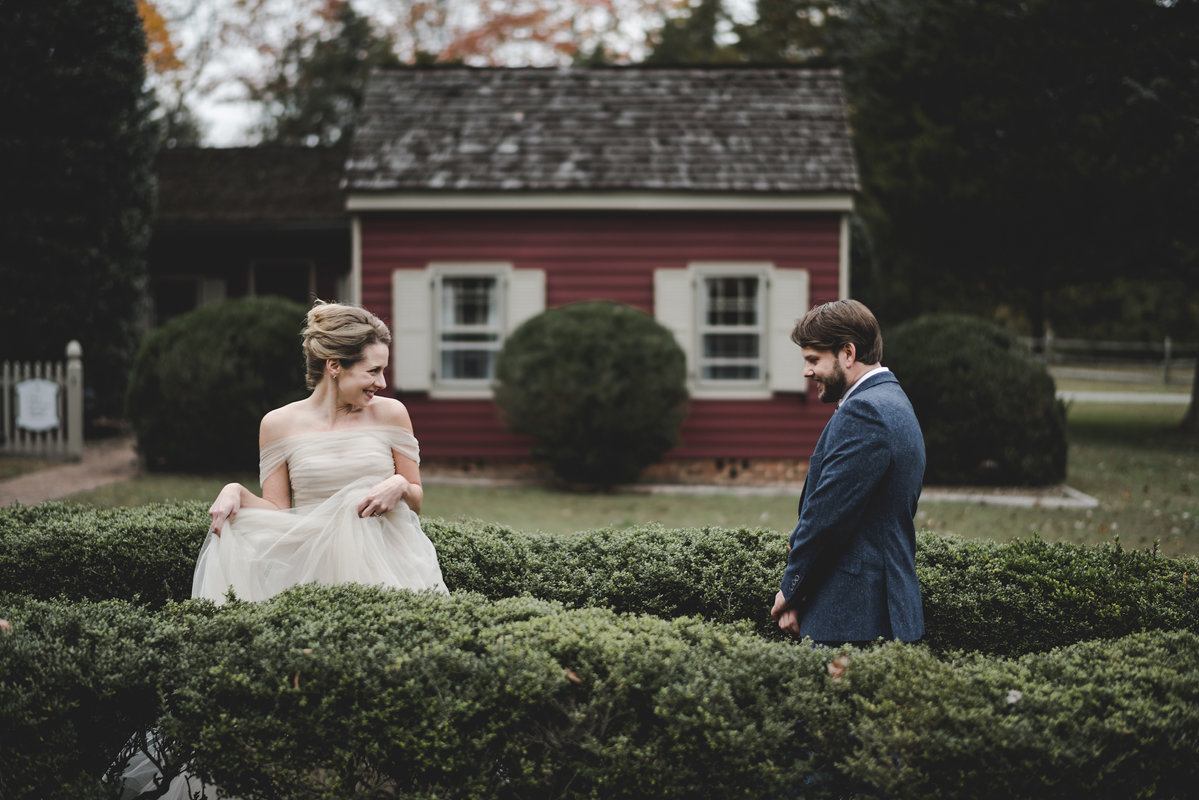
column 831, row 326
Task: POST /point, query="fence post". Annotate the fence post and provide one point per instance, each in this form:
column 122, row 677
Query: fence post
column 1048, row 346
column 1168, row 346
column 74, row 399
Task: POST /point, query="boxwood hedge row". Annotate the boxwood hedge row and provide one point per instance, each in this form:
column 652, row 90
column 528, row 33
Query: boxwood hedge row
column 354, row 692
column 1001, row 599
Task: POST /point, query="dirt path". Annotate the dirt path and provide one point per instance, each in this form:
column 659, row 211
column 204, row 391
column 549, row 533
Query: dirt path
column 104, row 461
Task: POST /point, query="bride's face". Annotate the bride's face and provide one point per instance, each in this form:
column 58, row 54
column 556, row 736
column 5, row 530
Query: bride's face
column 358, row 383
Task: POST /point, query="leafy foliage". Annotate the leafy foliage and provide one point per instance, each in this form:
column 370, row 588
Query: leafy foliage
column 203, row 382
column 1001, row 599
column 989, row 414
column 353, row 691
column 76, row 148
column 600, row 386
column 781, row 31
column 1010, row 151
column 314, row 94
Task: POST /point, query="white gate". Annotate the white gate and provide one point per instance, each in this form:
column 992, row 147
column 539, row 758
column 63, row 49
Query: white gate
column 41, row 407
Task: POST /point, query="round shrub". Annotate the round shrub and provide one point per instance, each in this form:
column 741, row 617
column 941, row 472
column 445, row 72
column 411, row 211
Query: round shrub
column 202, row 382
column 601, row 388
column 989, row 413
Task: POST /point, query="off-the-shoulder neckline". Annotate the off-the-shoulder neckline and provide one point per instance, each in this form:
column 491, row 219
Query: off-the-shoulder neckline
column 356, row 429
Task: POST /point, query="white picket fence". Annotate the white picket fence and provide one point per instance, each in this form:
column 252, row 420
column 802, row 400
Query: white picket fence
column 41, row 407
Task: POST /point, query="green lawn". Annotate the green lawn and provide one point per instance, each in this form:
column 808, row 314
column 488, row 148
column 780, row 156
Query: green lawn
column 1129, row 457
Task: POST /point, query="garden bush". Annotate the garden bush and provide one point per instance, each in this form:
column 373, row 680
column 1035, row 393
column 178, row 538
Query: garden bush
column 989, row 414
column 202, row 383
column 349, row 691
column 1003, row 599
column 600, row 386
column 76, row 681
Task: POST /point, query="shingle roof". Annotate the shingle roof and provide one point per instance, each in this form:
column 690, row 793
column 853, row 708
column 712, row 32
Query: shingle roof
column 759, row 130
column 250, row 184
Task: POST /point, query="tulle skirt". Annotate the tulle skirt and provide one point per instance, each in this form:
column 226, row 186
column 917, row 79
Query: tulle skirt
column 262, row 552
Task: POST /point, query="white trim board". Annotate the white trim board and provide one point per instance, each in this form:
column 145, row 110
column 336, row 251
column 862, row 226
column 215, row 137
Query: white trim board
column 616, row 201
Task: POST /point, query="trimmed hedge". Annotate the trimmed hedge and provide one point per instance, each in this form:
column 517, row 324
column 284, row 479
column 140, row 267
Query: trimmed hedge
column 600, row 387
column 202, row 382
column 354, row 692
column 989, row 413
column 1002, row 599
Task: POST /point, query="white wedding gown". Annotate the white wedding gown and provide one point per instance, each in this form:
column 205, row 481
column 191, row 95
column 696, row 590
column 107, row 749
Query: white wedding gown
column 262, row 552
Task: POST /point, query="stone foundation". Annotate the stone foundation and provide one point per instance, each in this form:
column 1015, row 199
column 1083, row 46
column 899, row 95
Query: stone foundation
column 681, row 472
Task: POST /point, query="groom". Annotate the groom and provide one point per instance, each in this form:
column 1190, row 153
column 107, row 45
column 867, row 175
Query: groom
column 851, row 568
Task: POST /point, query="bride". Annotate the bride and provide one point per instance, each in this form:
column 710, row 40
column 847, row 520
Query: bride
column 341, row 492
column 340, row 480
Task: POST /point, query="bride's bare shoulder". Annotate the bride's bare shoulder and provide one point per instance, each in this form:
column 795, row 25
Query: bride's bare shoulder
column 282, row 422
column 389, row 411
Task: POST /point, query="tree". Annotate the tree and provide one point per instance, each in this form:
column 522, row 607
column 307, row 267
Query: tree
column 177, row 123
column 600, row 387
column 1010, row 151
column 785, row 31
column 76, row 147
column 316, row 90
column 782, row 31
column 695, row 37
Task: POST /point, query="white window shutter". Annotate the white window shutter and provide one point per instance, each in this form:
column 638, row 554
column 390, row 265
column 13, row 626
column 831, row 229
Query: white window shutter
column 525, row 296
column 674, row 308
column 788, row 299
column 412, row 330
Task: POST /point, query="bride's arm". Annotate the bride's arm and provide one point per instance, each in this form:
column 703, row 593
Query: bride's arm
column 386, row 495
column 276, row 489
column 276, row 494
column 405, row 484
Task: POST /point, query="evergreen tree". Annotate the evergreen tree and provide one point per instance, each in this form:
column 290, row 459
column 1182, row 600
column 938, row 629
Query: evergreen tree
column 315, row 93
column 76, row 148
column 694, row 38
column 1009, row 151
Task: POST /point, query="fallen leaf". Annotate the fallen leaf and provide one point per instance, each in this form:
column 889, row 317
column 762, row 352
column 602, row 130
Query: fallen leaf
column 838, row 667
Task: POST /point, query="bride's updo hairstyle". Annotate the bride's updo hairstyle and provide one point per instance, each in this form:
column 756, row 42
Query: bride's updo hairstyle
column 340, row 332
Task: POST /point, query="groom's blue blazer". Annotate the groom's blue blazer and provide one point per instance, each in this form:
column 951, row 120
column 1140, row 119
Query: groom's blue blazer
column 851, row 571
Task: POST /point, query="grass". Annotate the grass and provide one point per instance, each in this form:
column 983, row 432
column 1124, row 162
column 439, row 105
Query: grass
column 1131, row 459
column 1127, row 456
column 16, row 467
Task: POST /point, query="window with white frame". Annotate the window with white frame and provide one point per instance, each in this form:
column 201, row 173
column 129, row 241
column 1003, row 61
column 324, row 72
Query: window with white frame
column 449, row 321
column 730, row 329
column 733, row 321
column 469, row 327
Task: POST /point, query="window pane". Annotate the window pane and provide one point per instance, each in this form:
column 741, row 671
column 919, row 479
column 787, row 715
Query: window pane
column 732, row 372
column 731, row 345
column 469, row 337
column 732, row 301
column 468, row 301
column 468, row 364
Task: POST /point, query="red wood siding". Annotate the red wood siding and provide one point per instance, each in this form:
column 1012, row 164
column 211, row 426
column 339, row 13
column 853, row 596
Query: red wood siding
column 609, row 256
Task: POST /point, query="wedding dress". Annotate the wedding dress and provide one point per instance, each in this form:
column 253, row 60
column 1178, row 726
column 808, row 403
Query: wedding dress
column 261, row 552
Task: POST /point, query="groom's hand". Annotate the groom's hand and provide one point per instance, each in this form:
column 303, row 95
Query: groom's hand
column 787, row 617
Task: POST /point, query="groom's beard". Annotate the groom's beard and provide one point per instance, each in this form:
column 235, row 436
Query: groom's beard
column 832, row 388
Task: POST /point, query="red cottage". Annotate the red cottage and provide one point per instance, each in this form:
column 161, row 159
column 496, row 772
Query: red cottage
column 717, row 200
